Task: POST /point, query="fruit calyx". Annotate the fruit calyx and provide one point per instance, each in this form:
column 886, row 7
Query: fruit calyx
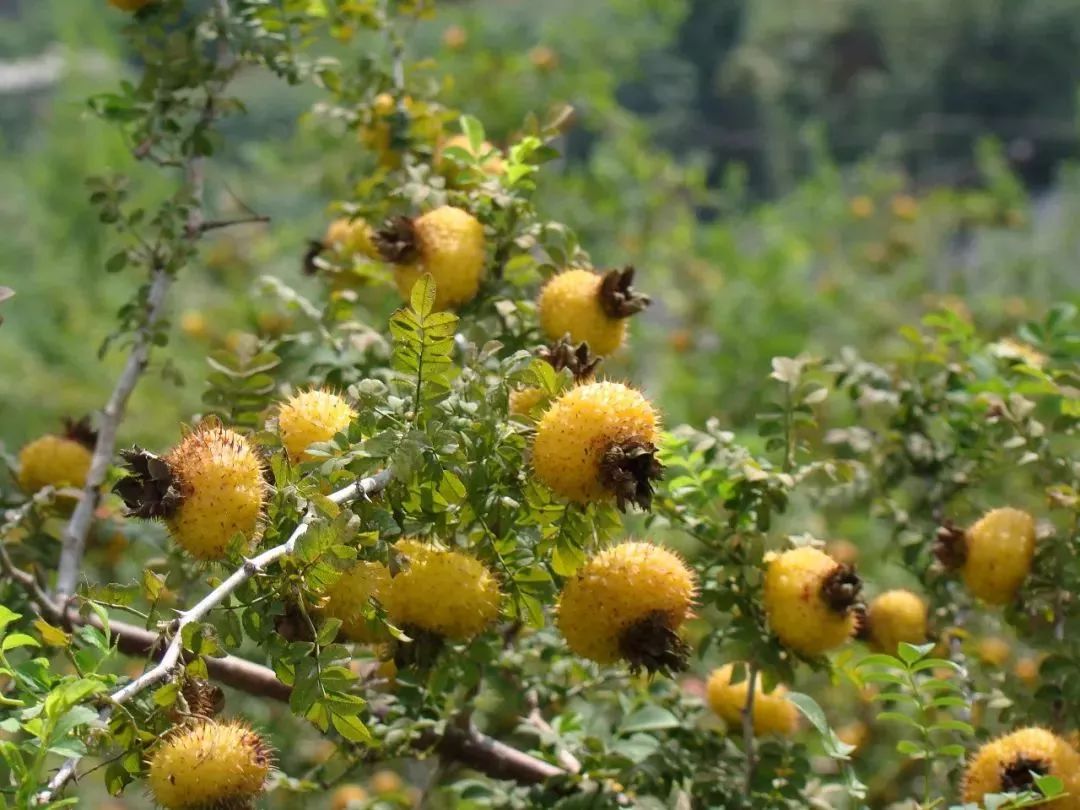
column 397, row 240
column 628, row 469
column 950, row 545
column 149, row 490
column 840, row 590
column 204, row 699
column 315, row 249
column 651, row 644
column 618, row 298
column 1018, row 774
column 564, row 354
column 862, row 622
column 80, row 431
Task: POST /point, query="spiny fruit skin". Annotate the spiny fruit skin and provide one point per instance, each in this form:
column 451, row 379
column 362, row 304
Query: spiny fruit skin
column 523, row 400
column 346, row 795
column 442, row 591
column 53, row 461
column 348, row 597
column 1000, row 547
column 1003, row 765
column 618, row 589
column 896, row 616
column 579, row 428
column 773, row 713
column 796, row 601
column 451, row 245
column 309, row 417
column 570, row 305
column 209, row 765
column 222, row 491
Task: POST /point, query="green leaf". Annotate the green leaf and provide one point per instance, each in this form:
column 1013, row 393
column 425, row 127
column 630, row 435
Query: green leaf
column 909, row 653
column 1049, row 786
column 352, row 729
column 898, row 717
column 649, row 718
column 422, row 296
column 474, row 130
column 16, row 640
column 911, row 749
column 7, row 616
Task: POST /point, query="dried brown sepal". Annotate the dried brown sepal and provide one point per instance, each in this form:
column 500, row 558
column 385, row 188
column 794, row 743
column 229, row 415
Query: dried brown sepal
column 315, row 248
column 1017, row 775
column 862, row 622
column 397, row 241
column 80, row 431
column 204, row 699
column 841, row 588
column 653, row 645
column 950, row 546
column 421, row 652
column 564, row 354
column 628, row 470
column 149, row 490
column 618, row 298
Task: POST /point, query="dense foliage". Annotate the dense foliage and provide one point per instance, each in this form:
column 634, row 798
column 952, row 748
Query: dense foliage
column 380, row 508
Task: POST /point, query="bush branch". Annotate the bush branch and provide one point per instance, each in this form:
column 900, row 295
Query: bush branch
column 748, row 727
column 171, row 656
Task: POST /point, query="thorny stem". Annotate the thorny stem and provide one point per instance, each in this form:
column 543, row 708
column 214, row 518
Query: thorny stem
column 161, row 277
column 748, row 727
column 170, row 659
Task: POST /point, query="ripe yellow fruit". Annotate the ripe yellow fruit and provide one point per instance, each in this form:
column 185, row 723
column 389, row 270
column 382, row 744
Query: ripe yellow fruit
column 309, row 417
column 219, row 477
column 1005, row 765
column 597, row 442
column 345, row 796
column 994, row 651
column 590, row 307
column 773, row 713
column 348, row 596
column 193, row 324
column 628, row 602
column 448, row 243
column 809, row 599
column 444, row 592
column 544, row 58
column 994, row 555
column 856, row 734
column 896, row 616
column 421, row 127
column 862, row 207
column 56, row 461
column 130, row 5
column 905, row 207
column 348, row 237
column 1027, row 670
column 385, row 781
column 209, row 765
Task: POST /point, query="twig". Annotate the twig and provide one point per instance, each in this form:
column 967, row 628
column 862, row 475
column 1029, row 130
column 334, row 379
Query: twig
column 568, row 761
column 215, row 224
column 171, row 656
column 748, row 727
column 161, row 277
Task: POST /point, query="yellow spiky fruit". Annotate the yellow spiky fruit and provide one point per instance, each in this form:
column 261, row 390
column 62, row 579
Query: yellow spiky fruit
column 309, row 417
column 998, row 554
column 523, row 400
column 130, row 5
column 628, row 602
column 571, row 304
column 856, row 734
column 809, row 599
column 55, row 461
column 1005, row 765
column 447, row 243
column 596, row 443
column 896, row 616
column 348, row 796
column 441, row 591
column 209, row 765
column 222, row 490
column 348, row 237
column 348, row 596
column 773, row 713
column 994, row 651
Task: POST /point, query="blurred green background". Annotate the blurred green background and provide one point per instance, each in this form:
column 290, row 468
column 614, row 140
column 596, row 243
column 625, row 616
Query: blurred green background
column 786, row 177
